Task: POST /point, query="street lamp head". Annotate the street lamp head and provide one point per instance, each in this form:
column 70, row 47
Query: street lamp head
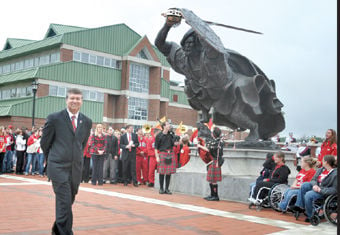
column 35, row 86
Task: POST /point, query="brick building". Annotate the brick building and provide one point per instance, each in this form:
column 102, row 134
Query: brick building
column 124, row 78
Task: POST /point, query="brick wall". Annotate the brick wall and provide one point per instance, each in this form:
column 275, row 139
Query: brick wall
column 125, row 75
column 188, row 116
column 43, row 90
column 19, row 122
column 66, row 55
column 155, row 80
column 153, row 112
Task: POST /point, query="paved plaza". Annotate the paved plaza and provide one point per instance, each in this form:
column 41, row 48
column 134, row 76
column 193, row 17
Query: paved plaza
column 27, row 207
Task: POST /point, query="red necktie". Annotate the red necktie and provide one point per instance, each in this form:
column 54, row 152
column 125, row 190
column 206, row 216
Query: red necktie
column 74, row 123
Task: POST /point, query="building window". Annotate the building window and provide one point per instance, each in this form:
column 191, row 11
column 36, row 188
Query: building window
column 139, row 78
column 100, row 60
column 57, row 91
column 21, row 91
column 29, row 63
column 55, row 57
column 137, row 108
column 84, row 57
column 107, row 62
column 45, row 59
column 76, row 56
column 29, row 91
column 6, row 94
column 175, row 98
column 93, row 59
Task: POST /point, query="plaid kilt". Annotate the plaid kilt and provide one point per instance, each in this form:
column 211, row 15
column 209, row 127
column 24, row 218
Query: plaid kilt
column 214, row 172
column 164, row 169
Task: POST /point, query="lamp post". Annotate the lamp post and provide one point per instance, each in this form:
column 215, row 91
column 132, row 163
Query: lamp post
column 34, row 89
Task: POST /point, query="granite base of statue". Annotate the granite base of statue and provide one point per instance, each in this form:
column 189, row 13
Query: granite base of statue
column 222, row 81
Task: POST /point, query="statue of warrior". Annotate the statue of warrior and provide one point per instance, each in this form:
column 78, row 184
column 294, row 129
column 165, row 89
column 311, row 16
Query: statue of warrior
column 238, row 92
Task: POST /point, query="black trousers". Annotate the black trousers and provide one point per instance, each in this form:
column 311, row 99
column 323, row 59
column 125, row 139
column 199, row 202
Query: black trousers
column 97, row 168
column 261, row 185
column 2, row 155
column 86, row 169
column 20, row 162
column 129, row 160
column 64, row 198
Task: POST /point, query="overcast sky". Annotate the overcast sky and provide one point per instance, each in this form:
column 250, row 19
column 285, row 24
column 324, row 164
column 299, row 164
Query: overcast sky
column 297, row 50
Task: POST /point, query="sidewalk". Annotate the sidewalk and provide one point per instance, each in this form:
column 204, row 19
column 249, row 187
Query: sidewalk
column 27, row 207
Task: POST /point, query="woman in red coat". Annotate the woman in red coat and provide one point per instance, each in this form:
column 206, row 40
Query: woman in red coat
column 329, row 146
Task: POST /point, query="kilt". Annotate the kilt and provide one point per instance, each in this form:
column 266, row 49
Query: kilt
column 164, row 169
column 214, row 172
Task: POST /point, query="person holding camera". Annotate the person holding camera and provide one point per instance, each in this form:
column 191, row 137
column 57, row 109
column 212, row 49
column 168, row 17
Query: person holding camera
column 215, row 147
column 165, row 157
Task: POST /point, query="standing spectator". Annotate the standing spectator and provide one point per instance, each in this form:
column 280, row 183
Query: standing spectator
column 8, row 161
column 86, row 161
column 120, row 179
column 31, row 151
column 184, row 155
column 165, row 157
column 111, row 162
column 98, row 152
column 20, row 150
column 141, row 158
column 128, row 144
column 152, row 158
column 40, row 154
column 305, row 175
column 2, row 147
column 14, row 157
column 328, row 147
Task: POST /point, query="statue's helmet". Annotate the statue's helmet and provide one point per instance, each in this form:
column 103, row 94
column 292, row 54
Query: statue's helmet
column 190, row 32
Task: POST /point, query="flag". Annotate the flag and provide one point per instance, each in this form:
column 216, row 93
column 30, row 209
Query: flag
column 178, row 130
column 194, row 134
column 210, row 124
column 158, row 126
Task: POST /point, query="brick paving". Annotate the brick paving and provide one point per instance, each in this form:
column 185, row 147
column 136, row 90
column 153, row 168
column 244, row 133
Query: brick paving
column 29, row 209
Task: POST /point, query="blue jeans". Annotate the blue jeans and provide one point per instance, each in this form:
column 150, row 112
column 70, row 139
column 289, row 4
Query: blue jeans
column 252, row 187
column 8, row 162
column 31, row 159
column 41, row 157
column 287, row 197
column 306, row 197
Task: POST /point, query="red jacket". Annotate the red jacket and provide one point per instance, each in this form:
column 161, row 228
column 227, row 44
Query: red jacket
column 327, row 149
column 184, row 155
column 151, row 146
column 142, row 146
column 304, row 176
column 11, row 139
column 86, row 150
column 3, row 142
column 32, row 139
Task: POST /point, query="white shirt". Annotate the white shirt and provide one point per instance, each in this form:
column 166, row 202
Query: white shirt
column 20, row 143
column 71, row 115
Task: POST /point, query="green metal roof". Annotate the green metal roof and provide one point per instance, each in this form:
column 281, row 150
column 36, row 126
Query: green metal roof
column 116, row 39
column 61, row 29
column 46, row 105
column 16, row 42
column 70, row 72
column 47, row 43
column 18, row 76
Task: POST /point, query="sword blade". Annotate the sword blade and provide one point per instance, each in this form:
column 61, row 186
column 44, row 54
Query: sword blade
column 232, row 27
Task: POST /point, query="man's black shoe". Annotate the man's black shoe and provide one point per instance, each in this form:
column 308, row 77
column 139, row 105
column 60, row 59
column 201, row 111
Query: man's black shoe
column 307, row 220
column 208, row 197
column 213, row 199
column 125, row 183
column 161, row 191
column 113, row 182
column 167, row 192
column 135, row 184
column 150, row 185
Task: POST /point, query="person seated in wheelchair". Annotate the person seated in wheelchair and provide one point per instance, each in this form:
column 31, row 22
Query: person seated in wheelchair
column 305, row 175
column 323, row 184
column 268, row 167
column 278, row 176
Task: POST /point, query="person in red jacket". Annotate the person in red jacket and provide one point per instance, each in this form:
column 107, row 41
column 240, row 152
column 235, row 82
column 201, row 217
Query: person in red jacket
column 185, row 151
column 3, row 142
column 141, row 158
column 152, row 157
column 328, row 147
column 86, row 161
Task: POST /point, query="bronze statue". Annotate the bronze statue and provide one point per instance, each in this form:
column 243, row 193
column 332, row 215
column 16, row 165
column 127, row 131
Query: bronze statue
column 238, row 92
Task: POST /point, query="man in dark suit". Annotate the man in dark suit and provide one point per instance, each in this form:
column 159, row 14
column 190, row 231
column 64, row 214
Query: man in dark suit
column 64, row 138
column 128, row 144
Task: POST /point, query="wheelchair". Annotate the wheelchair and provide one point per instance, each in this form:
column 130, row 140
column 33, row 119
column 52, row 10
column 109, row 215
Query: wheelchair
column 269, row 197
column 323, row 208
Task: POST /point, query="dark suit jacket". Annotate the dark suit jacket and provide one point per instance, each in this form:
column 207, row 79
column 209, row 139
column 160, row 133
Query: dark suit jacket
column 64, row 147
column 124, row 142
column 112, row 145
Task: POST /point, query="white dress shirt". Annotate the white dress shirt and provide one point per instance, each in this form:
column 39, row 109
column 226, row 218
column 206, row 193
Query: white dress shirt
column 71, row 115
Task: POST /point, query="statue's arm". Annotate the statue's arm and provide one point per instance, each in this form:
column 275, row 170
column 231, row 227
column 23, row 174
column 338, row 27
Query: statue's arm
column 161, row 44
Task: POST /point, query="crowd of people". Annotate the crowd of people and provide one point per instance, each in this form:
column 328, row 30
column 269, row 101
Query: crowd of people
column 316, row 178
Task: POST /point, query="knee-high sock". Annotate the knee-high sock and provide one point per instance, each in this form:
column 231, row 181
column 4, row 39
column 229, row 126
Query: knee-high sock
column 211, row 189
column 161, row 181
column 167, row 181
column 215, row 186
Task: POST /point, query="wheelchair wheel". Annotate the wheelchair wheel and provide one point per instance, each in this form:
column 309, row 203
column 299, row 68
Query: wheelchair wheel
column 315, row 220
column 330, row 209
column 276, row 194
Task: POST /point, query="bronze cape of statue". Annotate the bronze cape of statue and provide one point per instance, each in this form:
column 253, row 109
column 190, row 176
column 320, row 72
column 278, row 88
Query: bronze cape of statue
column 238, row 92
